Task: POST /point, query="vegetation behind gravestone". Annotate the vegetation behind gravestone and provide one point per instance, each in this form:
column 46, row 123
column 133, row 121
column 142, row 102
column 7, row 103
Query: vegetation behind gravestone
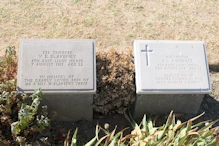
column 20, row 121
column 8, row 65
column 115, row 82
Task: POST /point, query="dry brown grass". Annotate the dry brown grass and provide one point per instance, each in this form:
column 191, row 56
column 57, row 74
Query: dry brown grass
column 115, row 82
column 112, row 23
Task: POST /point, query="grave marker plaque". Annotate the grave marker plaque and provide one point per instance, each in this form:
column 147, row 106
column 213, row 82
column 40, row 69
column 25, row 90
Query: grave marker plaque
column 64, row 69
column 170, row 75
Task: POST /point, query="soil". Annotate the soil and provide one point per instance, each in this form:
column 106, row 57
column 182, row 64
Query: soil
column 86, row 129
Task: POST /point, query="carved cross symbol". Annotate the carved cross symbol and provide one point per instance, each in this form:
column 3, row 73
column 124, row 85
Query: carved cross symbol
column 147, row 56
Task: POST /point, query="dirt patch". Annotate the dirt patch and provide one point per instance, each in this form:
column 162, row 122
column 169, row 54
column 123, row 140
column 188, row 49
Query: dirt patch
column 113, row 24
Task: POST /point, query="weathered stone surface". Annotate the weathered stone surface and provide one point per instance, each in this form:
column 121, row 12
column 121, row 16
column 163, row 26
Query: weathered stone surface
column 173, row 69
column 181, row 65
column 164, row 103
column 70, row 107
column 64, row 69
column 57, row 66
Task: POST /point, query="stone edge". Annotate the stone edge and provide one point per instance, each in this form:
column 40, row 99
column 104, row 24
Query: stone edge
column 137, row 75
column 93, row 91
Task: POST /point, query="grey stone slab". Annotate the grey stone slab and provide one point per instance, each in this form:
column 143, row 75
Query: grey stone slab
column 159, row 104
column 170, row 75
column 65, row 70
column 57, row 66
column 70, row 107
column 171, row 67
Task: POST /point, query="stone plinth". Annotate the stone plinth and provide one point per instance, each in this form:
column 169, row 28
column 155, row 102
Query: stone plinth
column 65, row 70
column 170, row 75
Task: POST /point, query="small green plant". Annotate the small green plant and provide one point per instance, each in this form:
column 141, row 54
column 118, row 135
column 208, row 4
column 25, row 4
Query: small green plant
column 73, row 140
column 20, row 121
column 172, row 133
column 9, row 104
column 29, row 122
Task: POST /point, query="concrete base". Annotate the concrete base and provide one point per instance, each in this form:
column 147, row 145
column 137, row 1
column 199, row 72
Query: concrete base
column 163, row 104
column 70, row 107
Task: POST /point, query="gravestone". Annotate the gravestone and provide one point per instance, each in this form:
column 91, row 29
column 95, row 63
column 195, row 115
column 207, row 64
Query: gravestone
column 65, row 70
column 170, row 75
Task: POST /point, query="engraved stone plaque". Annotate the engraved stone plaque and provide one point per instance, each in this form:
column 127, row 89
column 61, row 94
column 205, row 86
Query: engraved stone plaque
column 171, row 67
column 170, row 75
column 65, row 70
column 57, row 65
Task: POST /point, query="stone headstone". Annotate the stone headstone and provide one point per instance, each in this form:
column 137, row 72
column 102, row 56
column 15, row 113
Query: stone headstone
column 65, row 70
column 170, row 75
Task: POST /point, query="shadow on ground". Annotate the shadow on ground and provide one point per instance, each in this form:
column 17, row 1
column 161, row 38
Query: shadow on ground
column 211, row 107
column 214, row 67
